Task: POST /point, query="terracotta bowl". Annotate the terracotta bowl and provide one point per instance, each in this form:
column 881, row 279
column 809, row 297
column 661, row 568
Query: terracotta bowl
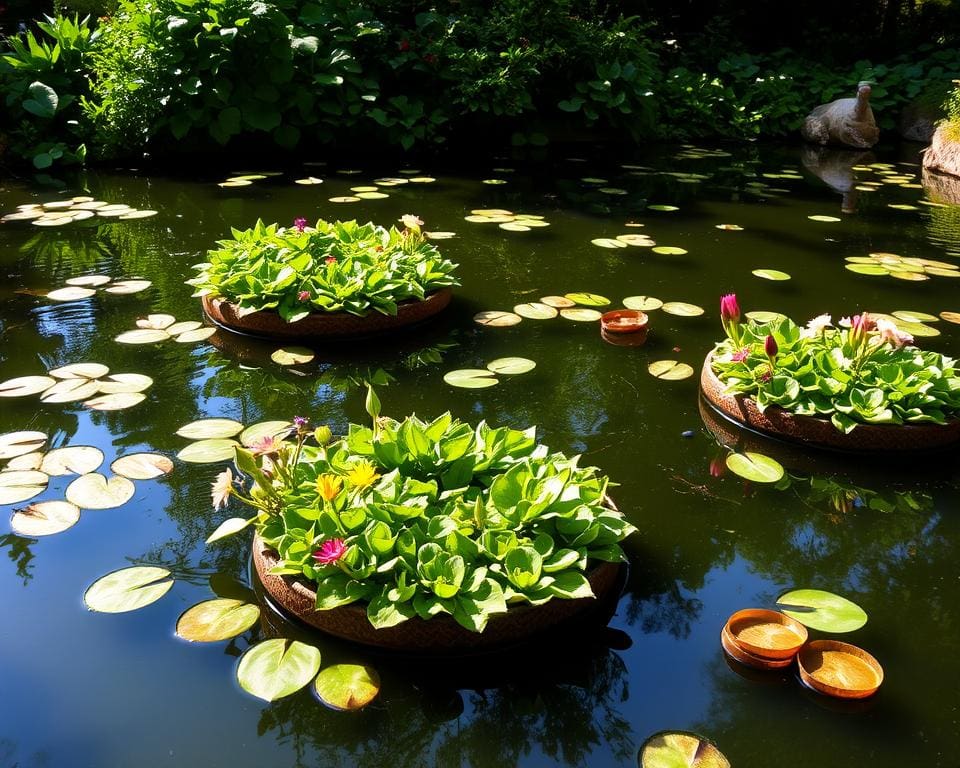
column 819, row 432
column 336, row 325
column 839, row 669
column 766, row 634
column 746, row 658
column 621, row 321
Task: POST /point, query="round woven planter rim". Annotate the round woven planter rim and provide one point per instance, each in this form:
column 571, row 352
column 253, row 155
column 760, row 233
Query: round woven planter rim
column 319, row 325
column 820, row 432
column 440, row 634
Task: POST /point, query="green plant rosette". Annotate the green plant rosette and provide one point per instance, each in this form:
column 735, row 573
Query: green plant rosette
column 329, row 267
column 440, row 517
column 828, row 374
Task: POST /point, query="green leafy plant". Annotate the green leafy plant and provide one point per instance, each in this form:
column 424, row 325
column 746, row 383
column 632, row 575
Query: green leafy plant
column 419, row 518
column 337, row 266
column 865, row 372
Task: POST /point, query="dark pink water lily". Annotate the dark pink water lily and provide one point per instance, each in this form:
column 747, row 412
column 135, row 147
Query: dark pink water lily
column 300, row 223
column 730, row 317
column 330, row 551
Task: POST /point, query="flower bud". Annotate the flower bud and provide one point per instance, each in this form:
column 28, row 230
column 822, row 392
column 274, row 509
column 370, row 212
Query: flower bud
column 770, row 347
column 323, row 435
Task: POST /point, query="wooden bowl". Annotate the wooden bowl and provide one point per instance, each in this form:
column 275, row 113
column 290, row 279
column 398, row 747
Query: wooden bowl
column 767, row 634
column 839, row 669
column 746, row 658
column 624, row 321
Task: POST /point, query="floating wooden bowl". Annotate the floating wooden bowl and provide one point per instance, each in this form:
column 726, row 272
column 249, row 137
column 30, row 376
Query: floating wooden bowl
column 767, row 634
column 624, row 321
column 746, row 658
column 839, row 669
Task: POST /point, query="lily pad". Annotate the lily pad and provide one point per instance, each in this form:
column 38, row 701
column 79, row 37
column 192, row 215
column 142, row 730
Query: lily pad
column 821, row 610
column 663, row 208
column 215, row 620
column 588, row 299
column 94, row 491
column 642, row 303
column 490, row 212
column 763, row 316
column 197, row 334
column 347, row 687
column 142, row 336
column 229, row 527
column 641, row 241
column 20, row 485
column 209, row 451
column 730, row 227
column 256, row 432
column 682, row 309
column 345, row 199
column 115, row 402
column 80, row 371
column 45, row 518
column 514, row 226
column 439, row 235
column 125, row 382
column 511, row 365
column 309, row 181
column 608, row 242
column 950, row 317
column 143, row 213
column 471, row 378
column 911, row 316
column 71, row 293
column 292, row 355
column 558, row 302
column 676, row 749
column 23, row 386
column 89, row 281
column 124, row 287
column 142, row 466
column 866, row 269
column 669, row 250
column 771, row 274
column 26, row 461
column 496, row 319
column 824, row 219
column 70, row 391
column 755, row 467
column 580, row 314
column 207, row 429
column 72, row 460
column 159, row 322
column 128, row 589
column 536, row 310
column 19, row 443
column 372, row 195
column 669, row 370
column 276, row 668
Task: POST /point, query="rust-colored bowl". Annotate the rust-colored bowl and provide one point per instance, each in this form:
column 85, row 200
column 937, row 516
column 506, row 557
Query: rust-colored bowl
column 746, row 658
column 839, row 669
column 624, row 321
column 766, row 634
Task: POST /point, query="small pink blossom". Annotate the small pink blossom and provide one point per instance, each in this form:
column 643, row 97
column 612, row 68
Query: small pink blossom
column 268, row 445
column 717, row 467
column 729, row 309
column 740, row 355
column 300, row 223
column 330, row 551
column 330, row 260
column 303, row 296
column 891, row 334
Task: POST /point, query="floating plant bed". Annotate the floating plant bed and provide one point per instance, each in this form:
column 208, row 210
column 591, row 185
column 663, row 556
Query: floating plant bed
column 839, row 669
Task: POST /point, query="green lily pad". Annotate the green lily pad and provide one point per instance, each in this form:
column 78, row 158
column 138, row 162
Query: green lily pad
column 115, row 402
column 70, row 391
column 256, row 432
column 207, row 429
column 347, row 686
column 642, row 303
column 125, row 287
column 209, row 451
column 676, row 749
column 608, row 242
column 128, row 589
column 911, row 316
column 663, row 208
column 72, row 460
column 536, row 310
column 142, row 336
column 771, row 274
column 19, row 443
column 824, row 219
column 496, row 319
column 821, row 610
column 182, row 327
column 20, row 485
column 588, row 299
column 729, row 227
column 640, row 241
column 682, row 309
column 866, row 269
column 276, row 668
column 80, row 371
column 511, row 365
column 558, row 302
column 218, row 619
column 24, row 386
column 948, row 315
column 45, row 518
column 197, row 334
column 229, row 527
column 142, row 466
column 25, row 461
column 157, row 322
column 292, row 355
column 670, row 370
column 669, row 250
column 514, row 226
column 71, row 293
column 763, row 316
column 89, row 281
column 94, row 491
column 755, row 467
column 119, row 383
column 580, row 314
column 471, row 378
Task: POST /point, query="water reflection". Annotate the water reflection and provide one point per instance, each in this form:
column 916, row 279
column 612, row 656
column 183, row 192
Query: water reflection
column 834, row 167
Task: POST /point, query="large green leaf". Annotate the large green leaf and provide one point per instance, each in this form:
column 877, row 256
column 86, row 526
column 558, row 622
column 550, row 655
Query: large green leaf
column 128, row 589
column 755, row 467
column 347, row 686
column 209, row 451
column 822, row 610
column 210, row 429
column 276, row 668
column 43, row 101
column 94, row 491
column 218, row 619
column 673, row 749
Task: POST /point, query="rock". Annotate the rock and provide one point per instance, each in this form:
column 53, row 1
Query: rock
column 845, row 122
column 943, row 154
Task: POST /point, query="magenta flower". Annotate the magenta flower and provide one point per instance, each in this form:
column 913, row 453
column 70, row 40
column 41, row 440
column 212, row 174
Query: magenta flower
column 268, row 445
column 330, row 260
column 770, row 347
column 300, row 421
column 740, row 355
column 729, row 309
column 303, row 296
column 330, row 551
column 300, row 223
column 717, row 467
column 889, row 333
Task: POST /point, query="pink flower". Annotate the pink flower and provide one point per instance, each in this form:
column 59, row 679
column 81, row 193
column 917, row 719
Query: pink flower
column 770, row 347
column 717, row 467
column 889, row 333
column 268, row 445
column 330, row 260
column 729, row 309
column 300, row 223
column 222, row 488
column 303, row 296
column 740, row 355
column 330, row 551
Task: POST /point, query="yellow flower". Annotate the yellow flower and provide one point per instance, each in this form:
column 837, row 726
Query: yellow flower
column 362, row 474
column 328, row 486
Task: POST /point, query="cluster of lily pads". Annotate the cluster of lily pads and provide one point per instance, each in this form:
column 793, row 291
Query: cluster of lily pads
column 481, row 378
column 507, row 220
column 213, row 440
column 91, row 383
column 901, row 267
column 578, row 306
column 85, row 286
column 58, row 213
column 160, row 327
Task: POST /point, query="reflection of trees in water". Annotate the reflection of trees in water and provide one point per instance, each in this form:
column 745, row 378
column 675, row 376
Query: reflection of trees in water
column 20, row 554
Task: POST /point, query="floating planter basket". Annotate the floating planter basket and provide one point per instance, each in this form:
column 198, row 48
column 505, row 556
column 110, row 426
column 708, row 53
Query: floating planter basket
column 839, row 669
column 624, row 327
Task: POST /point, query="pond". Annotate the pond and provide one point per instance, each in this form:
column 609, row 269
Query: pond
column 91, row 689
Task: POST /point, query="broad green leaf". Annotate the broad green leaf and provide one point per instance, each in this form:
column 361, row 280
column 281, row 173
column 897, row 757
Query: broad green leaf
column 115, row 402
column 771, row 274
column 642, row 303
column 470, row 378
column 292, row 355
column 124, row 287
column 822, row 218
column 44, row 518
column 608, row 242
column 580, row 314
column 142, row 336
column 669, row 370
column 229, row 527
column 680, row 750
column 197, row 334
column 142, row 466
column 72, row 460
column 511, row 365
column 682, row 309
column 663, row 208
column 535, row 310
column 20, row 485
column 210, row 429
column 128, row 589
column 822, row 610
column 24, row 386
column 755, row 467
column 347, row 686
column 276, row 668
column 496, row 319
column 669, row 250
column 19, row 443
column 214, row 620
column 263, row 429
column 588, row 299
column 209, row 451
column 80, row 371
column 94, row 491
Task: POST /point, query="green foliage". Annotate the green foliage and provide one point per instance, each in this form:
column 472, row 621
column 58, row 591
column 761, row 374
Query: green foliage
column 420, row 518
column 331, row 267
column 864, row 374
column 952, row 109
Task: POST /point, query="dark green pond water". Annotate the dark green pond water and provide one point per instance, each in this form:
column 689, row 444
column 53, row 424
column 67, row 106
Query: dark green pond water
column 87, row 689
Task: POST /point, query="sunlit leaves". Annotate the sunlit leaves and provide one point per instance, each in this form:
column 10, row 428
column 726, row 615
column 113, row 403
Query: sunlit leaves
column 206, row 429
column 45, row 518
column 94, row 491
column 276, row 668
column 347, row 686
column 670, row 370
column 128, row 589
column 215, row 620
column 755, row 467
column 822, row 610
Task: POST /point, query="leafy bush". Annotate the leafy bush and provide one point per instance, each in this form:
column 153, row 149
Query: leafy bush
column 424, row 518
column 331, row 267
column 952, row 108
column 867, row 371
